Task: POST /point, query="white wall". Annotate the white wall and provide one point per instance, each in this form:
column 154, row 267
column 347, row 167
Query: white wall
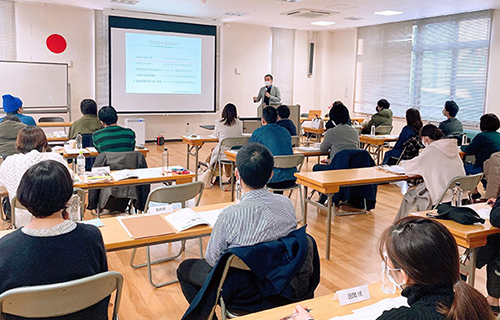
column 35, row 22
column 303, row 85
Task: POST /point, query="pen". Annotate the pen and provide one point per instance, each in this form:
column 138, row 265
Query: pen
column 293, row 315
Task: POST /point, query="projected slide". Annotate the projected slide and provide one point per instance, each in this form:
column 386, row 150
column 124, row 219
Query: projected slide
column 162, row 64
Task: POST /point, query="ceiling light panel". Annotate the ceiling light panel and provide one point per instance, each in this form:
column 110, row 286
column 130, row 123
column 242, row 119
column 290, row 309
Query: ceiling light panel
column 388, row 13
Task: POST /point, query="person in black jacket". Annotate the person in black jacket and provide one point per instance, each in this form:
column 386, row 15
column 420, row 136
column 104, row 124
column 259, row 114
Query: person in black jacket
column 489, row 256
column 283, row 121
column 421, row 258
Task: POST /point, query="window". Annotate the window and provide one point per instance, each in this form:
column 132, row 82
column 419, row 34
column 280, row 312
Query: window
column 282, row 62
column 449, row 61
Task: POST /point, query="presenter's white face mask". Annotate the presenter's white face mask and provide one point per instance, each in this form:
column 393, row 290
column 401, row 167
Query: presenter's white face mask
column 268, row 83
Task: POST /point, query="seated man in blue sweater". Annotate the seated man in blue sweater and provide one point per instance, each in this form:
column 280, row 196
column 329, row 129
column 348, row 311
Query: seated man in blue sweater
column 279, row 141
column 260, row 216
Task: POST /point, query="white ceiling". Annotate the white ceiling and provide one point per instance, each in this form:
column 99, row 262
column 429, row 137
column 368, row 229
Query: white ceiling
column 267, row 12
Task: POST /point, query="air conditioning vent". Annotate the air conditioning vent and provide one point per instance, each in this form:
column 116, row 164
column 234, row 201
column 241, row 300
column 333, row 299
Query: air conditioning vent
column 308, row 13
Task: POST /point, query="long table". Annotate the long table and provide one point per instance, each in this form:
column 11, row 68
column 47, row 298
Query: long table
column 375, row 144
column 330, row 182
column 54, row 124
column 324, row 307
column 231, row 156
column 471, row 237
column 194, row 144
column 93, row 154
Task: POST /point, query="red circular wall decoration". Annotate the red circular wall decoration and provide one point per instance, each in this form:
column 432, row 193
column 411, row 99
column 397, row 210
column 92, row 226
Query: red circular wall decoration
column 56, row 43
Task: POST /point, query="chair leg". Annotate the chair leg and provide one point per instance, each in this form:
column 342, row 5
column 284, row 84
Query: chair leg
column 150, row 273
column 301, row 206
column 135, row 266
column 223, row 309
column 201, row 247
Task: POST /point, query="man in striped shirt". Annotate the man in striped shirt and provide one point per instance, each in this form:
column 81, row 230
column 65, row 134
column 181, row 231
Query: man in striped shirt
column 112, row 138
column 260, row 216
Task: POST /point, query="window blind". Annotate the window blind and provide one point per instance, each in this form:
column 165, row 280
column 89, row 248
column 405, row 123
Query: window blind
column 101, row 58
column 283, row 48
column 424, row 63
column 7, row 31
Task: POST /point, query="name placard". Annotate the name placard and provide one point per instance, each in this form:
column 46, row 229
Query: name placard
column 168, row 208
column 353, row 295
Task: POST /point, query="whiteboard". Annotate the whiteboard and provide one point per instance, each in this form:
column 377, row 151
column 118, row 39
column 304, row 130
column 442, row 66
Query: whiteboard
column 38, row 85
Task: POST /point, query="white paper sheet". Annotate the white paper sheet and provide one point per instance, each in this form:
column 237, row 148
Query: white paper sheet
column 372, row 312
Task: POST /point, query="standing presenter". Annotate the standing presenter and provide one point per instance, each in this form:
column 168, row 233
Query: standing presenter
column 268, row 94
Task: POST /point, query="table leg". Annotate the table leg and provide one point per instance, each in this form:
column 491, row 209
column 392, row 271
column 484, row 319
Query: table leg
column 329, row 225
column 305, row 205
column 379, row 153
column 197, row 148
column 232, row 181
column 472, row 267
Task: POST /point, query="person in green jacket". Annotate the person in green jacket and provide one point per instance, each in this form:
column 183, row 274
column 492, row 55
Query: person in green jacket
column 89, row 123
column 451, row 127
column 484, row 144
column 383, row 117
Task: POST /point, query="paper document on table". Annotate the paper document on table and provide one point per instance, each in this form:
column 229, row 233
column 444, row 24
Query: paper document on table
column 184, row 219
column 75, row 151
column 392, row 169
column 123, row 174
column 482, row 210
column 210, row 216
column 386, row 136
column 92, row 149
column 148, row 173
column 212, row 136
column 307, row 149
column 95, row 222
column 375, row 310
column 234, row 151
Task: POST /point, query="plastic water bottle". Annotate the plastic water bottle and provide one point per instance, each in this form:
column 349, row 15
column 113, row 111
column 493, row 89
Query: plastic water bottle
column 456, row 198
column 164, row 159
column 79, row 141
column 372, row 131
column 80, row 164
column 187, row 129
column 464, row 139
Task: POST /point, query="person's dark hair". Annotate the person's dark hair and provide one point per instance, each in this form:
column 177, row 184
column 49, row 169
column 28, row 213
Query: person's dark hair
column 489, row 122
column 255, row 165
column 269, row 75
column 384, row 104
column 283, row 111
column 452, row 108
column 413, row 119
column 45, row 188
column 88, row 106
column 270, row 114
column 31, row 138
column 229, row 114
column 339, row 113
column 11, row 117
column 427, row 252
column 108, row 115
column 431, row 131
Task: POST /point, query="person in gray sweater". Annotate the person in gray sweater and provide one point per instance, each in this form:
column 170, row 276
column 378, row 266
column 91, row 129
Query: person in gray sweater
column 342, row 136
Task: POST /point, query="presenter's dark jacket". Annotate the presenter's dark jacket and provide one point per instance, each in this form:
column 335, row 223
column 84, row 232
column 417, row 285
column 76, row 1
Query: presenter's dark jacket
column 85, row 125
column 8, row 136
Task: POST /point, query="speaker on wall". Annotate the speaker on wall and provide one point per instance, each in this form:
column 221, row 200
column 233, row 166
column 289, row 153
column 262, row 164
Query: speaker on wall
column 311, row 59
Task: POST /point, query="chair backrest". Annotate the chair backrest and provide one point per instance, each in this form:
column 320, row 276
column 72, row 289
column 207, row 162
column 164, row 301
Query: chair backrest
column 51, row 119
column 314, row 114
column 177, row 193
column 64, row 298
column 120, row 160
column 15, row 204
column 232, row 262
column 232, row 142
column 383, row 130
column 467, row 183
column 295, row 141
column 291, row 161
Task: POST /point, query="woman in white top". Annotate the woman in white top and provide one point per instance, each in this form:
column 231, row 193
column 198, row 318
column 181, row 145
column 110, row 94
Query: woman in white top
column 33, row 147
column 228, row 126
column 437, row 164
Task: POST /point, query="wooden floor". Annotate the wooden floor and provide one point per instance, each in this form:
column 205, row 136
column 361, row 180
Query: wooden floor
column 354, row 260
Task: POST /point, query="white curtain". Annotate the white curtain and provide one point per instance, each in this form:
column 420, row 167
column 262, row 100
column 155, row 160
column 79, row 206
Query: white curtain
column 7, row 30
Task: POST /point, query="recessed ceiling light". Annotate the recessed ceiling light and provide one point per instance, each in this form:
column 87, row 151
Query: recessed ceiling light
column 322, row 23
column 235, row 14
column 354, row 18
column 388, row 13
